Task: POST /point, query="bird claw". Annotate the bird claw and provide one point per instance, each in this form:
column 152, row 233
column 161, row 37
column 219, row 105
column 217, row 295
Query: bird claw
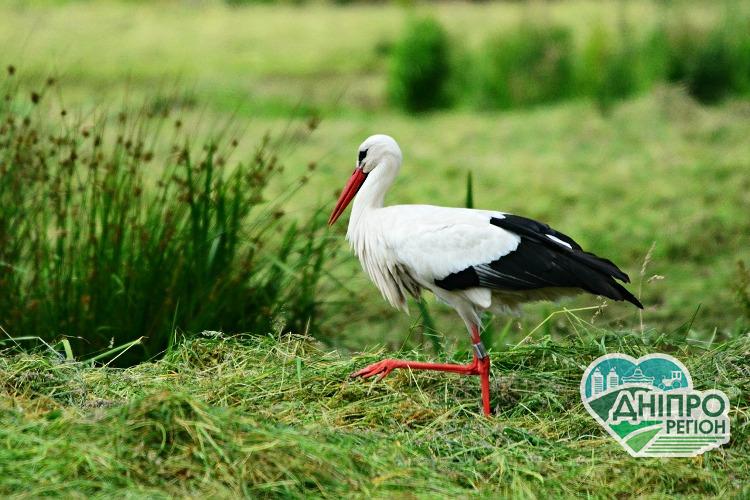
column 381, row 368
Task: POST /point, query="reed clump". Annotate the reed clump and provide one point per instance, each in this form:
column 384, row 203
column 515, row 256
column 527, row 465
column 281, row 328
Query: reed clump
column 121, row 225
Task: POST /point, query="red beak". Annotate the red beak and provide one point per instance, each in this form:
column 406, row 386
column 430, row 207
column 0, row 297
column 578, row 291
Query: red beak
column 351, row 188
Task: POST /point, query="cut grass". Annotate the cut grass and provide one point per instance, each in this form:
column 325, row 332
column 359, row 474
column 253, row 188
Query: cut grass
column 269, row 416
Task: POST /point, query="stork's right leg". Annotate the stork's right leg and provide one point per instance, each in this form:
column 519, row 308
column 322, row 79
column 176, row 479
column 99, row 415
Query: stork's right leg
column 479, row 366
column 386, row 366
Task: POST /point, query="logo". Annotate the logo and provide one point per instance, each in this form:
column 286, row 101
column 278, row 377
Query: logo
column 650, row 407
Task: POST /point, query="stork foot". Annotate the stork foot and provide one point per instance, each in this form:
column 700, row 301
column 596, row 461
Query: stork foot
column 381, row 368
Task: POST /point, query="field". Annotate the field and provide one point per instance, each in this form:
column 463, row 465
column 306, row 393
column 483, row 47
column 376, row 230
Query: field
column 658, row 182
column 277, row 417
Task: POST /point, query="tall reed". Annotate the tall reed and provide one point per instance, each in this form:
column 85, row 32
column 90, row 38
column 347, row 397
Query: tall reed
column 116, row 226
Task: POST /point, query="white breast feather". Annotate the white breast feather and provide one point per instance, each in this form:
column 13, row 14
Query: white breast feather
column 378, row 262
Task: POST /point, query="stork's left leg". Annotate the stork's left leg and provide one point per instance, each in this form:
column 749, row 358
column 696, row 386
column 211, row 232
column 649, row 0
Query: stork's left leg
column 484, row 367
column 479, row 366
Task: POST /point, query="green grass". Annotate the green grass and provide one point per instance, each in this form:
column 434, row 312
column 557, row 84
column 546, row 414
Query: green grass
column 271, row 55
column 657, row 169
column 529, row 66
column 658, row 184
column 278, row 416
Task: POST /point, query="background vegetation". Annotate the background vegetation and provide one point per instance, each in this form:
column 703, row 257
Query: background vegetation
column 539, row 61
column 99, row 246
column 167, row 167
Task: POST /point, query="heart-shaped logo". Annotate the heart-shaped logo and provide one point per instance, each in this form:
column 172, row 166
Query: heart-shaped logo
column 650, row 407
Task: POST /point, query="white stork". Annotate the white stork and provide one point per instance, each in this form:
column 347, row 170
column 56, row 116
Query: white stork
column 473, row 260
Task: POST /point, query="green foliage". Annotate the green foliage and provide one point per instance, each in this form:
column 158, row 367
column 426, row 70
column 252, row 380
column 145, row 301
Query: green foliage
column 609, row 68
column 712, row 63
column 117, row 227
column 742, row 288
column 538, row 63
column 530, row 65
column 429, row 329
column 242, row 3
column 717, row 65
column 420, row 67
column 709, row 78
column 278, row 417
column 469, row 191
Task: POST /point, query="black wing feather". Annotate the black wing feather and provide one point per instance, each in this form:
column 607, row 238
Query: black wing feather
column 542, row 262
column 538, row 231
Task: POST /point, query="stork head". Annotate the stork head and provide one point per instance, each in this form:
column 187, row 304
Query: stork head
column 380, row 155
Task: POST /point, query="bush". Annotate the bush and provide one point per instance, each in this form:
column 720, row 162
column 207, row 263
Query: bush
column 536, row 64
column 119, row 228
column 420, row 67
column 609, row 68
column 721, row 65
column 530, row 66
column 714, row 64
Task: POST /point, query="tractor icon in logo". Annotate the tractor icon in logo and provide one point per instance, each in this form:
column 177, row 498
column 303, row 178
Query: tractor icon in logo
column 674, row 382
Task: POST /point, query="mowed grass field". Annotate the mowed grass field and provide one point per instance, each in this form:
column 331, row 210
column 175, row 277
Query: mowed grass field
column 659, row 183
column 277, row 417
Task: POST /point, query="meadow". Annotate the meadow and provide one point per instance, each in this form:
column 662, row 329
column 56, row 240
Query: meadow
column 238, row 126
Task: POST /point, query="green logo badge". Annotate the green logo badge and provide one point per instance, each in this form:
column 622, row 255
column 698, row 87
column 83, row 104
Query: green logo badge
column 650, row 407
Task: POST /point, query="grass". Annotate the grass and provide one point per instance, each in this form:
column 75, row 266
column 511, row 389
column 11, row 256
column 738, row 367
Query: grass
column 657, row 183
column 530, row 66
column 658, row 168
column 277, row 416
column 224, row 52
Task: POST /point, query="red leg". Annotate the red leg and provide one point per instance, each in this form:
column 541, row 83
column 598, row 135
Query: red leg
column 386, row 366
column 484, row 375
column 479, row 366
column 484, row 368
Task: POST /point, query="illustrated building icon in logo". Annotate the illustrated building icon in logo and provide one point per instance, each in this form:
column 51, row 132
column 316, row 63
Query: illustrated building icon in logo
column 613, row 379
column 597, row 382
column 638, row 378
column 649, row 420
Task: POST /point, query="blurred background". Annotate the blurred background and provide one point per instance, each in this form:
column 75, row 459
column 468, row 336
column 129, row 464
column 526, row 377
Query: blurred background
column 168, row 166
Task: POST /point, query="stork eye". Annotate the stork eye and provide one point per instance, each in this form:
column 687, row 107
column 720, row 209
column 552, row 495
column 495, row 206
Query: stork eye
column 362, row 155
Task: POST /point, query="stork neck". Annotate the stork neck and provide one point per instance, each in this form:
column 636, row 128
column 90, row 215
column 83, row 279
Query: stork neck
column 372, row 194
